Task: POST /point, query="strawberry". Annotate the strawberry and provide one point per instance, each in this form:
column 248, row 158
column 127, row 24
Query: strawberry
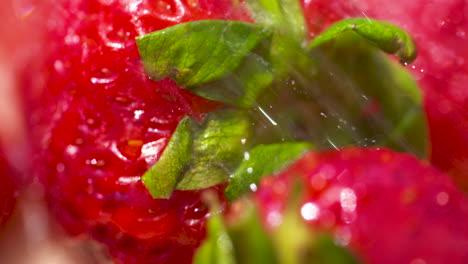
column 386, row 206
column 439, row 27
column 7, row 191
column 99, row 123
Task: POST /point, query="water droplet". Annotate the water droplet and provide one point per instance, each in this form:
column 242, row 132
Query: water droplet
column 249, row 170
column 115, row 45
column 151, row 150
column 91, row 122
column 274, row 219
column 246, row 155
column 60, row 167
column 160, row 121
column 121, row 99
column 137, row 114
column 442, row 198
column 128, row 179
column 348, row 200
column 253, row 187
column 71, row 150
column 59, row 66
column 165, row 11
column 95, row 162
column 310, row 211
column 104, row 76
column 72, row 39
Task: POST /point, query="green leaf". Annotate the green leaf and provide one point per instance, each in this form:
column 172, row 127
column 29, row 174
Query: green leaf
column 162, row 178
column 296, row 249
column 382, row 34
column 242, row 87
column 351, row 94
column 305, row 244
column 252, row 244
column 218, row 247
column 283, row 15
column 383, row 103
column 286, row 20
column 261, row 161
column 205, row 56
column 200, row 155
column 217, row 149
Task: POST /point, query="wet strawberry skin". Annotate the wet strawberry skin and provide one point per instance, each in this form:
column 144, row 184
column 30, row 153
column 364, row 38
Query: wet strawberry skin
column 8, row 191
column 440, row 30
column 99, row 123
column 387, row 206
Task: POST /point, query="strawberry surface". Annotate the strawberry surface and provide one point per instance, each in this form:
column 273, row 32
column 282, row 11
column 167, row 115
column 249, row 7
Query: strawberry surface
column 440, row 30
column 99, row 123
column 387, row 206
column 7, row 191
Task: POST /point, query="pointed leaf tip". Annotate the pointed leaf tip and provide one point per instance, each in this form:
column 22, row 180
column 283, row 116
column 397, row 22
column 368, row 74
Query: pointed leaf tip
column 382, row 34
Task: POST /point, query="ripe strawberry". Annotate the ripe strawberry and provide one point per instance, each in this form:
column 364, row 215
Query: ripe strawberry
column 440, row 28
column 388, row 207
column 7, row 191
column 99, row 123
column 321, row 14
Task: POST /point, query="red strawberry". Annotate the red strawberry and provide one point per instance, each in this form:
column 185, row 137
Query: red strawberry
column 320, row 14
column 388, row 207
column 99, row 123
column 7, row 191
column 440, row 28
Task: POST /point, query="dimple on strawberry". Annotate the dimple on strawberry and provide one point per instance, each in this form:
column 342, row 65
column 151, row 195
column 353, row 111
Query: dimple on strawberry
column 98, row 122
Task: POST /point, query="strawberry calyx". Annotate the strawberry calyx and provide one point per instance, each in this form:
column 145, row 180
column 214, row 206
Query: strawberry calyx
column 290, row 95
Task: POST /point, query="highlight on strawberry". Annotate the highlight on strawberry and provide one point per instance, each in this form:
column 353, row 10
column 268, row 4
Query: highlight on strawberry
column 256, row 131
